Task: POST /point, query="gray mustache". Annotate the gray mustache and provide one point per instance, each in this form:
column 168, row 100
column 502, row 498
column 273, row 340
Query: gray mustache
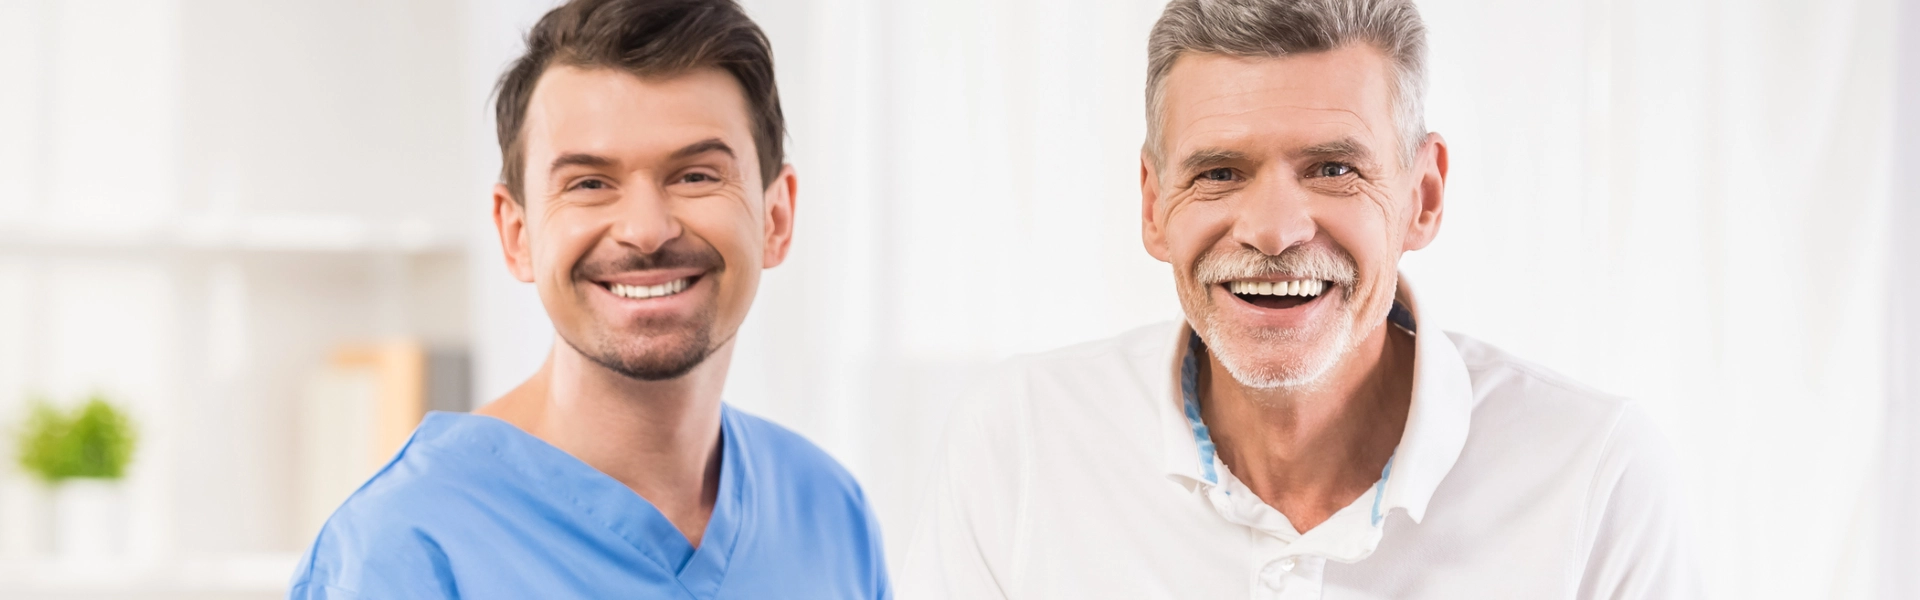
column 1302, row 261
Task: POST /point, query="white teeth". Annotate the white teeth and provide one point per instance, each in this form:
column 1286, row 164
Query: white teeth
column 642, row 292
column 1307, row 288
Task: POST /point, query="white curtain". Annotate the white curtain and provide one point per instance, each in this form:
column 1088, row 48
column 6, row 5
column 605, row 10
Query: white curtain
column 1900, row 533
column 1681, row 201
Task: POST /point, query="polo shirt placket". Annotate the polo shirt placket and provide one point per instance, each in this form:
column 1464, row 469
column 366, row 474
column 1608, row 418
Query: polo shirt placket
column 1283, row 563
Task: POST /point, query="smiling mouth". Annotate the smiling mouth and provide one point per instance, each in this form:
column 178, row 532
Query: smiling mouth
column 1277, row 294
column 645, row 292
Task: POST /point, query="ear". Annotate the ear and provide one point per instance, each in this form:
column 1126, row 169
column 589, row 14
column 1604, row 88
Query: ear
column 780, row 195
column 1429, row 193
column 510, row 220
column 1151, row 233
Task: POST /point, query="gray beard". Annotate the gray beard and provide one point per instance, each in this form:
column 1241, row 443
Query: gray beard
column 1303, row 374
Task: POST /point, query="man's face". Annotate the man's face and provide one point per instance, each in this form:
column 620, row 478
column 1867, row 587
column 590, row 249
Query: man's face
column 1284, row 207
column 645, row 225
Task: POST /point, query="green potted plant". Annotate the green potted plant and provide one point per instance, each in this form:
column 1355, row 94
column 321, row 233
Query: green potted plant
column 82, row 454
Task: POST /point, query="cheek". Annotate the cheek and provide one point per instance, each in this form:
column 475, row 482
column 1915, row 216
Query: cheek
column 738, row 237
column 735, row 233
column 1366, row 229
column 726, row 225
column 559, row 241
column 1194, row 228
column 1394, row 213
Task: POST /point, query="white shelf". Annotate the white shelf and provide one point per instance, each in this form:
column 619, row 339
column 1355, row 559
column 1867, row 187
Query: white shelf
column 311, row 234
column 263, row 574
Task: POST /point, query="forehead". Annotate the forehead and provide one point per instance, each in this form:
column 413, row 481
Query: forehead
column 613, row 113
column 1214, row 100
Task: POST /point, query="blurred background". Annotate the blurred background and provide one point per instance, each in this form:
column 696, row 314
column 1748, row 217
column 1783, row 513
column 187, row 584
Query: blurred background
column 260, row 232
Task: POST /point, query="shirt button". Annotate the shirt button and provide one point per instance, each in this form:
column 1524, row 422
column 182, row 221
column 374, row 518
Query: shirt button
column 1274, row 575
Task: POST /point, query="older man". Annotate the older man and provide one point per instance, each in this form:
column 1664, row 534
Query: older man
column 1307, row 431
column 643, row 189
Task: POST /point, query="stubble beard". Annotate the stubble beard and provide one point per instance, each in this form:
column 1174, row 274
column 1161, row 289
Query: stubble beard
column 674, row 353
column 653, row 350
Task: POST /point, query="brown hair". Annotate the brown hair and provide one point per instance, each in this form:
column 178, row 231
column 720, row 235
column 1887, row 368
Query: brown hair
column 648, row 38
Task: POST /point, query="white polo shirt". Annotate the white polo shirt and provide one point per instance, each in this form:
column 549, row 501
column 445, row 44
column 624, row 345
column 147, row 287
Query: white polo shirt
column 1079, row 473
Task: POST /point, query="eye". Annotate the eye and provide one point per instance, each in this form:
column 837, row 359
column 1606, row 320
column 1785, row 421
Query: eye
column 1332, row 169
column 1221, row 174
column 590, row 184
column 697, row 177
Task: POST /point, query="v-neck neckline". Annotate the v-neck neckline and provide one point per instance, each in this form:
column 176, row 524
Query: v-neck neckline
column 616, row 507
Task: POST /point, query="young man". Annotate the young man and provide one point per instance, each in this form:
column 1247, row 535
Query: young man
column 642, row 191
column 1307, row 432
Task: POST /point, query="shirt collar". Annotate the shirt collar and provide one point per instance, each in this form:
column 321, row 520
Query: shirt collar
column 549, row 474
column 1436, row 430
column 1181, row 443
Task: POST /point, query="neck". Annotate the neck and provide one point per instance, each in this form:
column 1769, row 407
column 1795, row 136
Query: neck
column 1311, row 451
column 660, row 438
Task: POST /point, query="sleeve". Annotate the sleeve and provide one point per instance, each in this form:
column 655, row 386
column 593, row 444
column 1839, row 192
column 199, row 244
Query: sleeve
column 1636, row 520
column 307, row 590
column 877, row 554
column 348, row 561
column 964, row 542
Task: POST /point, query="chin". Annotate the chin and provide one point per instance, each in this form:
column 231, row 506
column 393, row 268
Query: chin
column 658, row 359
column 1276, row 371
column 653, row 353
column 1276, row 360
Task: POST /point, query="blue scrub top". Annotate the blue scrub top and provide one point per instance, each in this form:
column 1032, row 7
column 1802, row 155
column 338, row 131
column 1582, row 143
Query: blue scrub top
column 473, row 507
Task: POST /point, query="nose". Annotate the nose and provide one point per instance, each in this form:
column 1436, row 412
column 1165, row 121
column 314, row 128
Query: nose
column 1273, row 216
column 643, row 220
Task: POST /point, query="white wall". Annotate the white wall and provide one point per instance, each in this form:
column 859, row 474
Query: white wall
column 511, row 335
column 1682, row 202
column 200, row 199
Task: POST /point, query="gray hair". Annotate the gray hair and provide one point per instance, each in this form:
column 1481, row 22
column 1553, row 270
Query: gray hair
column 1275, row 28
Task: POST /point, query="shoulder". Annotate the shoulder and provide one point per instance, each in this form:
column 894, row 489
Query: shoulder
column 354, row 557
column 1521, row 400
column 412, row 491
column 801, row 490
column 1105, row 388
column 789, row 458
column 1529, row 419
column 380, row 541
column 1054, row 409
column 1145, row 346
column 1499, row 375
column 1608, row 443
column 1135, row 363
column 383, row 537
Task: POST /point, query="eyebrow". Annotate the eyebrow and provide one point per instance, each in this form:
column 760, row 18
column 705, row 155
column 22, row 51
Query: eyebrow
column 1209, row 157
column 1347, row 148
column 702, row 147
column 582, row 159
